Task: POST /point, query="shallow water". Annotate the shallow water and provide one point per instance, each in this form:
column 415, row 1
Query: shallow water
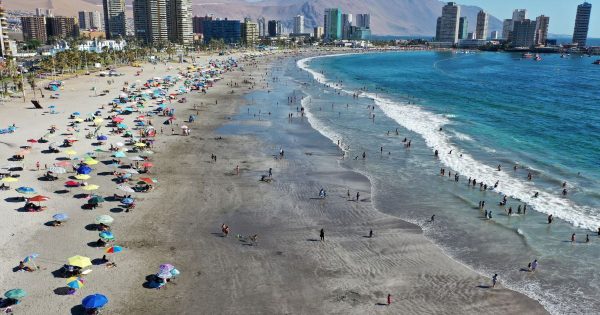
column 493, row 109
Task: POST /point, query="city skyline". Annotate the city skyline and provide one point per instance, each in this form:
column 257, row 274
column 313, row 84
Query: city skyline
column 562, row 12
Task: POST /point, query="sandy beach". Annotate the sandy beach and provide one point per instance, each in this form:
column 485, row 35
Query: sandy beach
column 285, row 270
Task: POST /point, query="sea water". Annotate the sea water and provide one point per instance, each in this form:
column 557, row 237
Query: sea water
column 479, row 110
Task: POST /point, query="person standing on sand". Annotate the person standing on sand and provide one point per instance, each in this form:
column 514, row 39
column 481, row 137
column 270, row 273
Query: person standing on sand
column 371, row 233
column 357, row 196
column 432, row 218
column 322, row 235
column 494, row 280
column 389, row 299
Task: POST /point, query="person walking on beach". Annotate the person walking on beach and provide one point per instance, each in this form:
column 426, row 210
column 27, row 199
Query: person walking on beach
column 322, row 235
column 357, row 195
column 389, row 299
column 534, row 265
column 270, row 172
column 432, row 218
column 494, row 280
column 371, row 233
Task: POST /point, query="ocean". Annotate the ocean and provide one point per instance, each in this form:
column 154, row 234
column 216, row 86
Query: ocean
column 480, row 111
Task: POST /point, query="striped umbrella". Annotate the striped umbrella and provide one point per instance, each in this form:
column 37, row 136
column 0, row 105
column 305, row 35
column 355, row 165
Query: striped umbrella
column 75, row 283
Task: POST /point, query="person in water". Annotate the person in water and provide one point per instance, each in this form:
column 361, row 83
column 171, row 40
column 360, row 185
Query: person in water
column 573, row 238
column 550, row 218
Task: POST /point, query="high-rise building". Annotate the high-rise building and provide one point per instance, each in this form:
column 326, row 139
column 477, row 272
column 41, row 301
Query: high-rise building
column 150, row 21
column 90, row 20
column 541, row 29
column 509, row 24
column 34, row 28
column 114, row 18
column 179, row 21
column 318, row 32
column 449, row 23
column 494, row 35
column 230, row 31
column 519, row 15
column 249, row 33
column 62, row 27
column 5, row 42
column 198, row 23
column 274, row 28
column 299, row 24
column 438, row 27
column 523, row 34
column 463, row 27
column 481, row 29
column 333, row 24
column 346, row 25
column 507, row 28
column 262, row 27
column 363, row 20
column 582, row 23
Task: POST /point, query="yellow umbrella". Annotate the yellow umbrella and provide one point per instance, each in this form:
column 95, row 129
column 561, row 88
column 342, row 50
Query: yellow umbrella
column 140, row 144
column 90, row 187
column 70, row 152
column 9, row 180
column 90, row 162
column 98, row 121
column 79, row 120
column 82, row 176
column 80, row 261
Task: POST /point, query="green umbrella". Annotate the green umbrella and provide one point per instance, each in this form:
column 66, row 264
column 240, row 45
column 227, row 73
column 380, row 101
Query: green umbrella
column 95, row 200
column 15, row 294
column 104, row 219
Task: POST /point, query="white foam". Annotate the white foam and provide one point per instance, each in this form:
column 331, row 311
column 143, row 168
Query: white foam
column 427, row 124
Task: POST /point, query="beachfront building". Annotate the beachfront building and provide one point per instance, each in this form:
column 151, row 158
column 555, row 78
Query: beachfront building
column 98, row 46
column 449, row 23
column 114, row 18
column 494, row 35
column 541, row 30
column 6, row 45
column 230, row 31
column 318, row 32
column 346, row 25
column 359, row 33
column 179, row 22
column 523, row 34
column 90, row 20
column 62, row 27
column 249, row 33
column 198, row 23
column 262, row 27
column 463, row 27
column 481, row 29
column 332, row 24
column 298, row 24
column 509, row 24
column 363, row 20
column 34, row 28
column 150, row 21
column 582, row 23
column 275, row 28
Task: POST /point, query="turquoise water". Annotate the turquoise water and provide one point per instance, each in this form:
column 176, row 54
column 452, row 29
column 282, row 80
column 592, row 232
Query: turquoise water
column 493, row 109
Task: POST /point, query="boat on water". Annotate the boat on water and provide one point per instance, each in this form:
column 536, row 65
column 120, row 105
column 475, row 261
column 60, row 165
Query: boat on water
column 527, row 55
column 537, row 58
column 597, row 62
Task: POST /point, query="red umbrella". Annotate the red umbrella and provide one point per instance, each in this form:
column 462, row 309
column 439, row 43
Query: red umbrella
column 147, row 164
column 32, row 141
column 39, row 198
column 118, row 119
column 71, row 183
column 147, row 180
column 63, row 163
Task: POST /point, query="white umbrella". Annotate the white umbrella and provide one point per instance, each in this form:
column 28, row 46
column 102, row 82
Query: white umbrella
column 132, row 171
column 125, row 188
column 184, row 127
column 136, row 158
column 119, row 144
column 57, row 170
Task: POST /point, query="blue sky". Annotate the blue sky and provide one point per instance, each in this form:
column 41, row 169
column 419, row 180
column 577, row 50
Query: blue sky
column 561, row 12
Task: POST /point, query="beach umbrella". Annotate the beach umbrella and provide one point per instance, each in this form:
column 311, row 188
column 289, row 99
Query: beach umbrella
column 76, row 114
column 131, row 171
column 57, row 170
column 90, row 187
column 136, row 158
column 70, row 152
column 127, row 201
column 84, row 169
column 175, row 272
column 122, row 126
column 107, row 235
column 60, row 217
column 94, row 301
column 82, row 177
column 78, row 120
column 119, row 154
column 72, row 183
column 90, row 162
column 120, row 144
column 140, row 144
column 164, row 275
column 147, row 180
column 32, row 141
column 63, row 163
column 104, row 219
column 125, row 188
column 9, row 180
column 30, row 258
column 184, row 127
column 113, row 249
column 98, row 121
column 95, row 200
column 80, row 261
column 26, row 190
column 165, row 268
column 147, row 164
column 15, row 294
column 75, row 283
column 102, row 138
column 38, row 198
column 118, row 119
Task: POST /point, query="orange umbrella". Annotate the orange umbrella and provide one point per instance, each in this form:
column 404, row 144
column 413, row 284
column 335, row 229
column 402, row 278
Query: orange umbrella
column 39, row 198
column 147, row 180
column 63, row 163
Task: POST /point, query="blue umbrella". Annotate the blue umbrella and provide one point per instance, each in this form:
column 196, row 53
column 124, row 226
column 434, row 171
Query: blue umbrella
column 102, row 138
column 94, row 301
column 127, row 201
column 84, row 169
column 51, row 106
column 107, row 235
column 26, row 190
column 60, row 217
column 76, row 114
column 122, row 126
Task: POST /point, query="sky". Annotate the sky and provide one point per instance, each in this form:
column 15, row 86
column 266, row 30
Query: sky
column 561, row 12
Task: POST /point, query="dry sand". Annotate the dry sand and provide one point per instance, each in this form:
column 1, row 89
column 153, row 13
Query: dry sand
column 287, row 272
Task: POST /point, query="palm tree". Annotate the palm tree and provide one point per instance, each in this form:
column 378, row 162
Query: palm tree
column 31, row 79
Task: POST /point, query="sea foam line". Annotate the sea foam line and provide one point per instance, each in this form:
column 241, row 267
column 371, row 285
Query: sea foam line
column 427, row 124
